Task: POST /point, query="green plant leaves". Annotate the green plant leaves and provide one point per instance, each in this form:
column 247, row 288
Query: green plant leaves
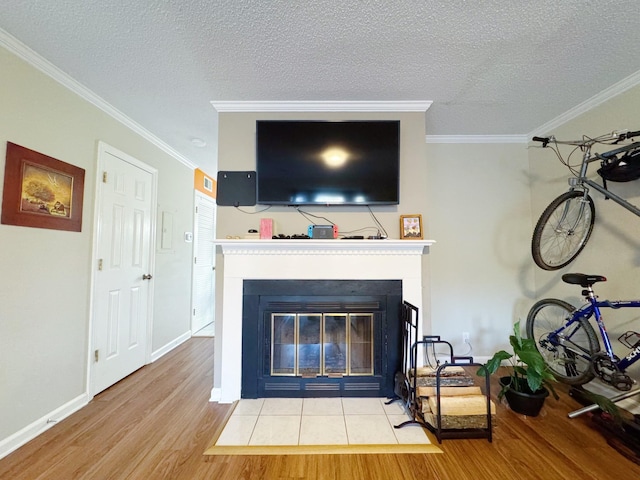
column 494, row 363
column 527, row 363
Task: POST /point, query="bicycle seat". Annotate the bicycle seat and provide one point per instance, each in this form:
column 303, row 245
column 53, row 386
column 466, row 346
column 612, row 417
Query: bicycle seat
column 582, row 279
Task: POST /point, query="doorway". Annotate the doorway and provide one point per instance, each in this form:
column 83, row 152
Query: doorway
column 123, row 274
column 204, row 265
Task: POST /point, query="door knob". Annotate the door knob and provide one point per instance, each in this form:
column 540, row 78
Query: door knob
column 146, row 277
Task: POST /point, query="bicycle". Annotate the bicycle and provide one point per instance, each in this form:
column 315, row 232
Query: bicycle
column 566, row 224
column 569, row 344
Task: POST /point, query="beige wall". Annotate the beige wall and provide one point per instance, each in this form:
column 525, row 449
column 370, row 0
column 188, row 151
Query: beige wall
column 45, row 280
column 481, row 270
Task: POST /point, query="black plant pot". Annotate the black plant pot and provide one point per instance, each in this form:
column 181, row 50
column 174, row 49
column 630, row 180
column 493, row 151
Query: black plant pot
column 525, row 402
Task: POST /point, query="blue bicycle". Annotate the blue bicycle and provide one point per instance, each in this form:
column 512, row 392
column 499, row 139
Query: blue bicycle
column 569, row 344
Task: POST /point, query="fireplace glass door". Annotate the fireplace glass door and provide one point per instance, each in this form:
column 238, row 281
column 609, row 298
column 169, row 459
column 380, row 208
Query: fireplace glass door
column 322, row 344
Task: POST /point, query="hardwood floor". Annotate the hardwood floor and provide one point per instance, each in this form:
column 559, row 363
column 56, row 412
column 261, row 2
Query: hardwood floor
column 156, row 423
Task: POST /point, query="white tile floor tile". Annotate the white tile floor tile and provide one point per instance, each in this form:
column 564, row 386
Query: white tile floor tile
column 409, row 433
column 322, row 406
column 282, row 406
column 369, row 430
column 362, row 406
column 394, row 408
column 238, row 430
column 323, row 430
column 249, row 406
column 276, row 430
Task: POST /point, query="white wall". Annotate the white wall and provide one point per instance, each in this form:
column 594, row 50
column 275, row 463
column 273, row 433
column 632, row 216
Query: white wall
column 46, row 274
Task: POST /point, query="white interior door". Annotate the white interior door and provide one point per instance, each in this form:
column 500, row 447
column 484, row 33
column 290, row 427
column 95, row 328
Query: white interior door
column 204, row 264
column 123, row 276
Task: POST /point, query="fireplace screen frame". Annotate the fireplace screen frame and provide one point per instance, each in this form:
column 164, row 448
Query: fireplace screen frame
column 322, row 344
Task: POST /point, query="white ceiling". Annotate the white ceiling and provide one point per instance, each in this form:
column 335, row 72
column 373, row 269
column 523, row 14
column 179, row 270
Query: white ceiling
column 490, row 67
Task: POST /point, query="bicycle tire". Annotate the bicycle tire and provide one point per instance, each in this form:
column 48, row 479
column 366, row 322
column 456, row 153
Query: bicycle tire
column 555, row 241
column 567, row 367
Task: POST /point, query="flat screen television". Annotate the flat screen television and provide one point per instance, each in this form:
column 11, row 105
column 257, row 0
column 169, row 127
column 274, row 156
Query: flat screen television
column 328, row 162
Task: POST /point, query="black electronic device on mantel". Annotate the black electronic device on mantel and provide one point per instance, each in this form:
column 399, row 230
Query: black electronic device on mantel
column 328, row 162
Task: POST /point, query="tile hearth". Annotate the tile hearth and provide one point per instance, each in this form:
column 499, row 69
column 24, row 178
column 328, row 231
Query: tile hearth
column 319, row 421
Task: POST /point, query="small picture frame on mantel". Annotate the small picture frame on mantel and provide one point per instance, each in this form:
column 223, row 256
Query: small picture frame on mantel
column 411, row 227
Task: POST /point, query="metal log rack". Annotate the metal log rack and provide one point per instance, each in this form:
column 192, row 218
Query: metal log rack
column 406, row 384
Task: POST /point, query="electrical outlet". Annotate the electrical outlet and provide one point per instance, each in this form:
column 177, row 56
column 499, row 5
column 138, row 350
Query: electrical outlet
column 465, row 337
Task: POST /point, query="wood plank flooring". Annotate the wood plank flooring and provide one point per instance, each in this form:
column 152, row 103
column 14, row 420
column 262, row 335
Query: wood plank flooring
column 156, row 423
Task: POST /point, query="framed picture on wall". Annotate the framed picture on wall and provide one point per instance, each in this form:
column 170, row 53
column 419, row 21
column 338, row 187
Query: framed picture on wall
column 411, row 227
column 40, row 191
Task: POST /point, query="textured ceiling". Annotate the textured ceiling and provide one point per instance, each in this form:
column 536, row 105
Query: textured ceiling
column 491, row 67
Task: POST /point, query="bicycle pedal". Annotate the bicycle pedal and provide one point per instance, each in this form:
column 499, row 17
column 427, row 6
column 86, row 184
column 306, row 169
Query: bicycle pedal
column 622, row 382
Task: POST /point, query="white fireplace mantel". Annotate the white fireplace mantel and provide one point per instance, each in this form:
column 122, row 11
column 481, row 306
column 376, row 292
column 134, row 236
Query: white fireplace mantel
column 302, row 259
column 323, row 247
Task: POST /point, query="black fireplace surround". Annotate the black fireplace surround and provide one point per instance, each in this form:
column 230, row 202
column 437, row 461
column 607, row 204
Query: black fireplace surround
column 262, row 298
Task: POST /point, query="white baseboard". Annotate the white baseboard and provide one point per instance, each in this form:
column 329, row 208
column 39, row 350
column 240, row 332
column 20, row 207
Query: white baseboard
column 31, row 431
column 170, row 346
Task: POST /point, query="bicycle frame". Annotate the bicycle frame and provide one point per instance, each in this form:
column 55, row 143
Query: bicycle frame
column 582, row 177
column 592, row 309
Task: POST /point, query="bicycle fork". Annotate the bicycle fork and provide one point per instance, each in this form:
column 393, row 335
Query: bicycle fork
column 575, row 182
column 570, row 230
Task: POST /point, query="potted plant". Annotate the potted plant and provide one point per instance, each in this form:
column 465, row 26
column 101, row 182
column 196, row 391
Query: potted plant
column 530, row 379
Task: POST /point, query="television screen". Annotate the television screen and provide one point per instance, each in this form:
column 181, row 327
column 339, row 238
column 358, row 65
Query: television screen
column 328, row 163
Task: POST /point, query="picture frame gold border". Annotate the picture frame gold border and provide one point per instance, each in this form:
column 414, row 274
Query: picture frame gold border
column 404, row 233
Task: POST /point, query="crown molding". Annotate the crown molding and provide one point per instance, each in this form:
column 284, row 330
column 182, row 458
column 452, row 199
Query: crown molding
column 616, row 89
column 34, row 59
column 322, row 106
column 476, row 138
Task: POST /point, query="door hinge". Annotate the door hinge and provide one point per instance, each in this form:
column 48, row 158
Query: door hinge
column 195, row 260
column 100, row 264
column 104, row 177
column 194, row 312
column 96, row 355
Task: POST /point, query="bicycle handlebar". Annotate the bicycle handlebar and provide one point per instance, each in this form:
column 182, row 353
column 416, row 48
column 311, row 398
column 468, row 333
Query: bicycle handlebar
column 543, row 140
column 632, row 134
column 613, row 138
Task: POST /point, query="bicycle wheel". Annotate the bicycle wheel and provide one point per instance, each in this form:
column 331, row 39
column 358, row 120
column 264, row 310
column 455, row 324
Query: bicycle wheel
column 563, row 230
column 568, row 352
